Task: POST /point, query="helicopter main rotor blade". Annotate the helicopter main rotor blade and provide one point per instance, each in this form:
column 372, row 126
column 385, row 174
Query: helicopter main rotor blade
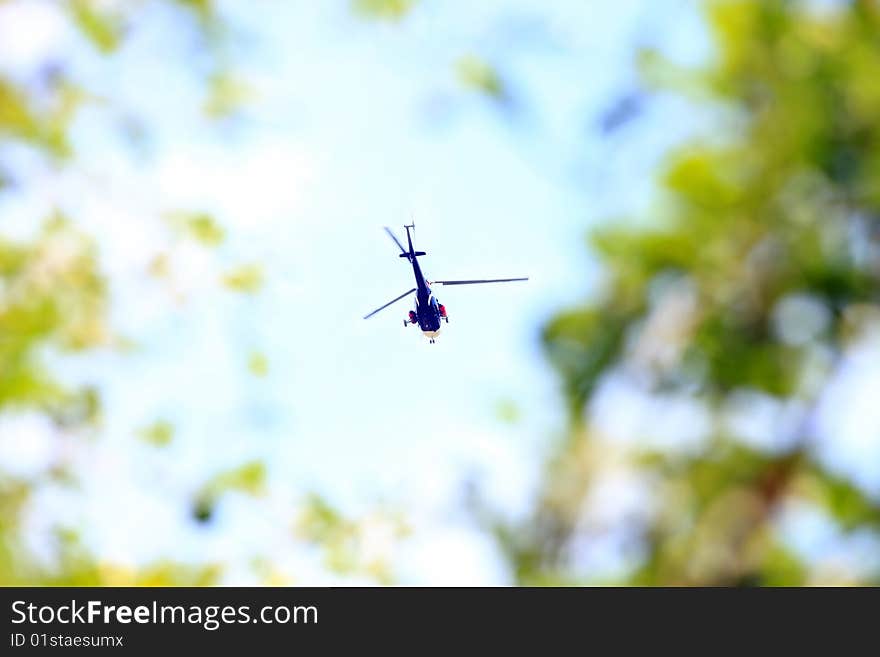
column 396, row 241
column 475, row 282
column 389, row 303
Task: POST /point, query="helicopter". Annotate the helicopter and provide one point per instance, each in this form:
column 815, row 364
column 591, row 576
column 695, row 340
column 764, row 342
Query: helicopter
column 429, row 312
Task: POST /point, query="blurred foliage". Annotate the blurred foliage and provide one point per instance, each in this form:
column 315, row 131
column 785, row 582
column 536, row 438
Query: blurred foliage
column 508, row 411
column 258, row 364
column 102, row 26
column 761, row 259
column 43, row 125
column 350, row 547
column 227, row 94
column 247, row 279
column 71, row 564
column 478, row 75
column 248, row 478
column 200, row 226
column 158, row 434
column 55, row 299
column 392, row 10
column 204, row 9
column 52, row 295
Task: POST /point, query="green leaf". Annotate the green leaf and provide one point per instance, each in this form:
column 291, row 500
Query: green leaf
column 841, row 498
column 388, row 10
column 200, row 226
column 508, row 411
column 478, row 75
column 227, row 94
column 248, row 478
column 204, row 9
column 16, row 117
column 258, row 364
column 159, row 434
column 102, row 28
column 582, row 344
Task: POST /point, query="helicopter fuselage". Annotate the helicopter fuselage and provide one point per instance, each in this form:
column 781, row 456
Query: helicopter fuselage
column 427, row 306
